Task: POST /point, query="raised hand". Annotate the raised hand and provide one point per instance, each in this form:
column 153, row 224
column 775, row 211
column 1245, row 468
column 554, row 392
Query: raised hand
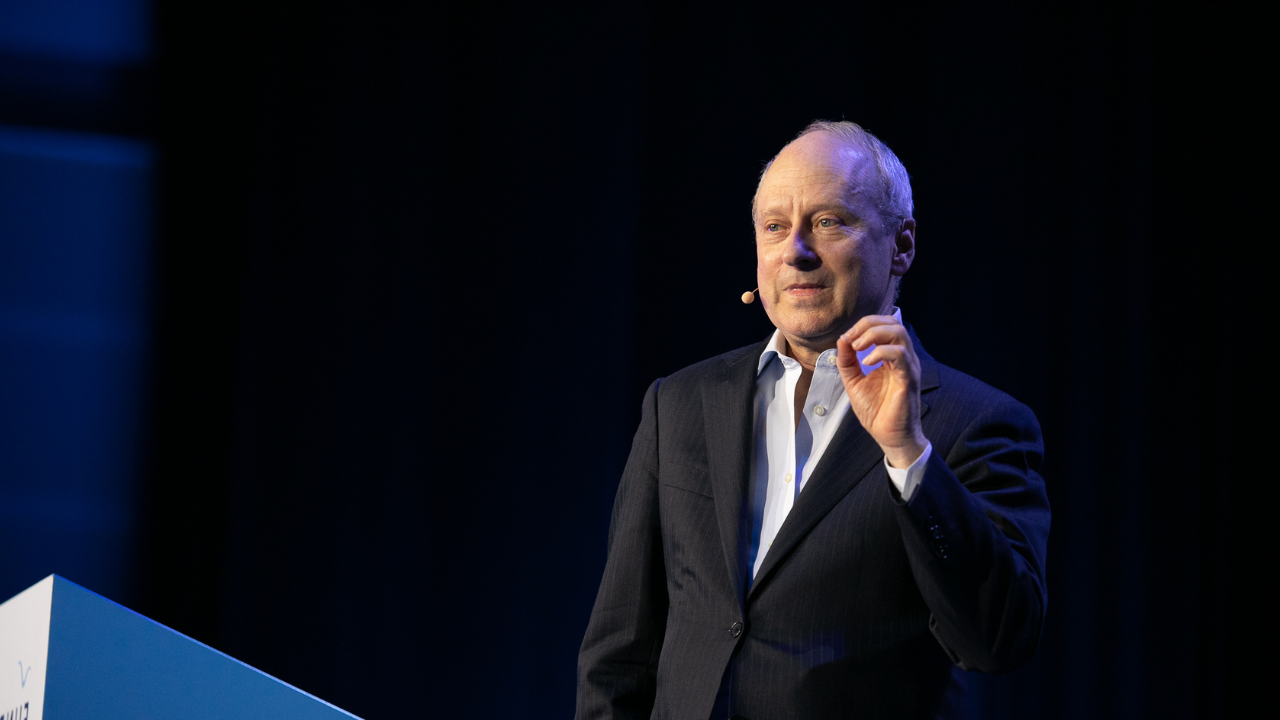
column 886, row 400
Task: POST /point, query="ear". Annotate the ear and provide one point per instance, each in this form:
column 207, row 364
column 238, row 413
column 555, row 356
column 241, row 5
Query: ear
column 904, row 248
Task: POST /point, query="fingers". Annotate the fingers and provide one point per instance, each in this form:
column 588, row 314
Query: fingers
column 895, row 356
column 869, row 321
column 877, row 330
column 877, row 339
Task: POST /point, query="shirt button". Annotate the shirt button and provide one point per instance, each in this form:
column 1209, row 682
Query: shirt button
column 735, row 629
column 819, row 410
column 831, row 359
column 787, row 478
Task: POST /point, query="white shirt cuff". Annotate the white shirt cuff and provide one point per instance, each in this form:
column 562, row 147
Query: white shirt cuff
column 908, row 479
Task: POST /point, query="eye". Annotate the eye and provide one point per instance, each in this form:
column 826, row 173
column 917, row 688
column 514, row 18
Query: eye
column 772, row 227
column 828, row 222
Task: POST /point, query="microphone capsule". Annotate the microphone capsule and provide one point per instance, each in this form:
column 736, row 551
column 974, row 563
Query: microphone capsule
column 749, row 297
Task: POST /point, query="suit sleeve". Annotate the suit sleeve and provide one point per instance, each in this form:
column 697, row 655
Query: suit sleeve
column 618, row 661
column 975, row 533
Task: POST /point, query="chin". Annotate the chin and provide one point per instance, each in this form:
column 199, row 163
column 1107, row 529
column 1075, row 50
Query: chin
column 813, row 330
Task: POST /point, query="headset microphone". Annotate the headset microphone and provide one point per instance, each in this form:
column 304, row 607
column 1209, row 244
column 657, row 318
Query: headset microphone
column 750, row 297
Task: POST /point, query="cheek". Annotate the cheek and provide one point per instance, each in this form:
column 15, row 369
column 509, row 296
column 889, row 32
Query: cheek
column 763, row 265
column 766, row 275
column 850, row 265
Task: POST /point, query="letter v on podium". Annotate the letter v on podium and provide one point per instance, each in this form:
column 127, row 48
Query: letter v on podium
column 66, row 652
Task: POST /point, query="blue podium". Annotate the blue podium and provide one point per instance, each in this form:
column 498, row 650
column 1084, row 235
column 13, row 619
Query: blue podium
column 67, row 653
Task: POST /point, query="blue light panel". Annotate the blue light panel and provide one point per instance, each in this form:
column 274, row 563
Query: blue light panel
column 75, row 238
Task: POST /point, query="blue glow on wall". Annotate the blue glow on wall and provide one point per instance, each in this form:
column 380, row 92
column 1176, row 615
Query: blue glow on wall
column 75, row 237
column 114, row 32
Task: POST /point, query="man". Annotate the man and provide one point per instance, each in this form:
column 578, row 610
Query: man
column 829, row 524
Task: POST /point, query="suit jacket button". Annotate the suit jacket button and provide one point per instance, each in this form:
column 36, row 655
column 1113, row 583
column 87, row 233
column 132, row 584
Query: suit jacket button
column 735, row 629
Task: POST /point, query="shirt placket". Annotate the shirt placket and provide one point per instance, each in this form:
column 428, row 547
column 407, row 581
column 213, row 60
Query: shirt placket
column 820, row 407
column 787, row 485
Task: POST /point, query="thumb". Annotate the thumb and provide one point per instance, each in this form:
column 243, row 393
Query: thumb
column 847, row 362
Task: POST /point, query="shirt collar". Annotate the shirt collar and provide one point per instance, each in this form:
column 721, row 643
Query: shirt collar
column 778, row 345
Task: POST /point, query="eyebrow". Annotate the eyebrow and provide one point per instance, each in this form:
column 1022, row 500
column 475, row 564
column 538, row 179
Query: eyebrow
column 825, row 207
column 844, row 206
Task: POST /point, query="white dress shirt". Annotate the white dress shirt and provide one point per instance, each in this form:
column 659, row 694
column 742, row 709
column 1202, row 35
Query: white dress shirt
column 786, row 452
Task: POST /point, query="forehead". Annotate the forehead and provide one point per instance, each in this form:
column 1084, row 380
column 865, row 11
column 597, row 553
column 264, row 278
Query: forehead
column 816, row 167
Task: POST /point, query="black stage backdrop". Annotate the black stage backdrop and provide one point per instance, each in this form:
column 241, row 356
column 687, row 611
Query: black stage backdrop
column 419, row 262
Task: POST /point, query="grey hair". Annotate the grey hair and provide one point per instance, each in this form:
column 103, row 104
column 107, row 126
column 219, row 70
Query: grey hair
column 894, row 203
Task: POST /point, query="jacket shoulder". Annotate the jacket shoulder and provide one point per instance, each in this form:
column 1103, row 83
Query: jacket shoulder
column 954, row 382
column 714, row 369
column 960, row 399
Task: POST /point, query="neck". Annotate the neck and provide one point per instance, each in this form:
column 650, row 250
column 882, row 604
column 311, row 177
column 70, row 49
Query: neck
column 806, row 351
column 806, row 355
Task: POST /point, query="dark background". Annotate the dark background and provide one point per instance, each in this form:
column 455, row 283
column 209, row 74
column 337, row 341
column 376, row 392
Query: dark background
column 412, row 266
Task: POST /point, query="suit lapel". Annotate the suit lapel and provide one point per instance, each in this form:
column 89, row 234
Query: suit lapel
column 851, row 456
column 928, row 369
column 727, row 408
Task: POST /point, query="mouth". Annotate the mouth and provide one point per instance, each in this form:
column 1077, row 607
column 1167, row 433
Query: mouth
column 803, row 289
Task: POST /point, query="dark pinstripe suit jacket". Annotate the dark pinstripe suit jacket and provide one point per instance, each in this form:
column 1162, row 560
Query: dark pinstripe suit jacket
column 865, row 606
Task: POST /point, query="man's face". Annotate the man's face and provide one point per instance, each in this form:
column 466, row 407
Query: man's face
column 823, row 256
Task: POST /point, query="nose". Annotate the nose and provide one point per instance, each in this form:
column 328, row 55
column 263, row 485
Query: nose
column 799, row 251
